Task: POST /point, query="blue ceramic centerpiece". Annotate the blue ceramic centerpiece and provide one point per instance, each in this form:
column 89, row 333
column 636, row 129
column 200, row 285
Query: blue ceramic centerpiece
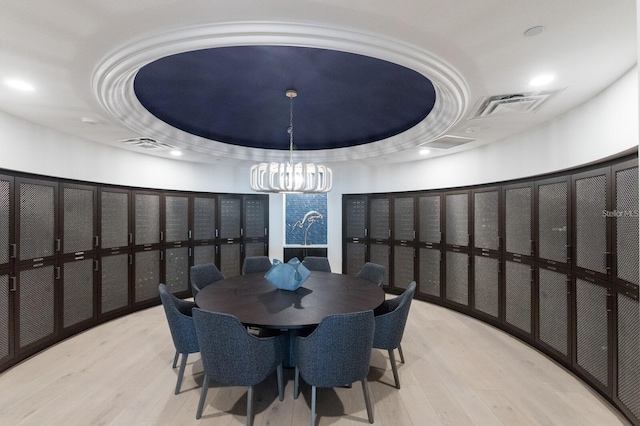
column 287, row 276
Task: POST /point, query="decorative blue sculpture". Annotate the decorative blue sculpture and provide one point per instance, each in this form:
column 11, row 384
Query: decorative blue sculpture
column 287, row 276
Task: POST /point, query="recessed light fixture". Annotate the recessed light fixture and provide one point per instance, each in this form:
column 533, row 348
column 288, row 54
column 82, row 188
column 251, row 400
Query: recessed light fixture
column 176, row 153
column 424, row 151
column 89, row 120
column 542, row 80
column 534, row 31
column 19, row 85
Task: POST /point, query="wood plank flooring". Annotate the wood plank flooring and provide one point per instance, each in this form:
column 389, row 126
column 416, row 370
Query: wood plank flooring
column 458, row 371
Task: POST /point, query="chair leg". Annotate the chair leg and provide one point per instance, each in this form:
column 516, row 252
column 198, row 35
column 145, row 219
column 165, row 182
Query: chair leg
column 175, row 359
column 250, row 406
column 313, row 406
column 394, row 368
column 183, row 365
column 367, row 400
column 296, row 384
column 280, row 383
column 203, row 396
column 400, row 352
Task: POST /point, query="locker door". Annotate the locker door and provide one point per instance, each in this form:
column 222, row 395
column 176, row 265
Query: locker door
column 486, row 284
column 485, row 249
column 204, row 229
column 404, row 241
column 625, row 228
column 553, row 310
column 79, row 256
column 591, row 223
column 457, row 254
column 7, row 280
column 176, row 243
column 147, row 249
column 518, row 298
column 36, row 305
column 518, row 219
column 553, row 222
column 430, row 245
column 592, row 316
column 380, row 233
column 230, row 216
column 6, row 316
column 354, row 230
column 7, row 242
column 116, row 258
column 37, row 232
column 628, row 349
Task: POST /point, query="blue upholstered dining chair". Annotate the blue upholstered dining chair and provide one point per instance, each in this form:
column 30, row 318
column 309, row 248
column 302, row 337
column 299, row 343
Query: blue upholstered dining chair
column 233, row 357
column 372, row 272
column 253, row 264
column 203, row 275
column 317, row 263
column 336, row 353
column 183, row 332
column 390, row 319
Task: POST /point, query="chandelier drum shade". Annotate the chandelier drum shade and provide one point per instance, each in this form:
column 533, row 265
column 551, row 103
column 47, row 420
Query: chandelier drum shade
column 290, row 177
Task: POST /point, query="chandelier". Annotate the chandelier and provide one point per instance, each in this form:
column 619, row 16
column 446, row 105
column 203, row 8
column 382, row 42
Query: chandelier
column 290, row 177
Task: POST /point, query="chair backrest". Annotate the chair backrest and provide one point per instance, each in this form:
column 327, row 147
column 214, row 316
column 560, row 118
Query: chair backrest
column 391, row 322
column 180, row 321
column 373, row 272
column 338, row 351
column 230, row 355
column 253, row 264
column 203, row 275
column 317, row 263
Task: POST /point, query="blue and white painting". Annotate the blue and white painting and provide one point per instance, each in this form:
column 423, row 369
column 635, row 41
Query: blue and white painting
column 306, row 219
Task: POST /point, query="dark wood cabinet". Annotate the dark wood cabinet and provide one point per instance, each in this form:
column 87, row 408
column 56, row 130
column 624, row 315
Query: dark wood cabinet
column 302, row 252
column 553, row 260
column 74, row 254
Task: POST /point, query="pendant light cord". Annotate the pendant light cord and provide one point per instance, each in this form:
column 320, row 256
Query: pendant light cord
column 290, row 130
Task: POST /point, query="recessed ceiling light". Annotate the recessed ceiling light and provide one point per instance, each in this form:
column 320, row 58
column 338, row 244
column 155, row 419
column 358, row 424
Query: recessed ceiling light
column 424, row 151
column 541, row 80
column 19, row 85
column 176, row 153
column 534, row 31
column 89, row 120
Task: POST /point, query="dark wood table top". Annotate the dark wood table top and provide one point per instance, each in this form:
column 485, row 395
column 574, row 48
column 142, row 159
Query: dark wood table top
column 256, row 302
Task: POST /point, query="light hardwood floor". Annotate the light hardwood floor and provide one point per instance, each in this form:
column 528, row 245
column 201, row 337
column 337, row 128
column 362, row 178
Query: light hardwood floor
column 458, row 371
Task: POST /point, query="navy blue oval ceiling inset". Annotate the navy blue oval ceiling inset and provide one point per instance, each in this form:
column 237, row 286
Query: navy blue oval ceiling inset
column 236, row 95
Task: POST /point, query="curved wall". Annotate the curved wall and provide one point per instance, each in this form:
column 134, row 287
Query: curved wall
column 600, row 128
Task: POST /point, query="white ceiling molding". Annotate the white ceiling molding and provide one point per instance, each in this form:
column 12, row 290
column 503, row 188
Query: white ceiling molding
column 112, row 84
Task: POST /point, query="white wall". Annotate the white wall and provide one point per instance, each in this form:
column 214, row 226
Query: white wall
column 28, row 148
column 598, row 129
column 602, row 127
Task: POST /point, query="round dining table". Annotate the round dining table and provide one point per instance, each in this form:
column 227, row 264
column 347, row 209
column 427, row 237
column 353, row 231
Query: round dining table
column 256, row 302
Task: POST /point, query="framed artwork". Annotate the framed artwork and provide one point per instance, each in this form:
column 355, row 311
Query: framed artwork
column 305, row 219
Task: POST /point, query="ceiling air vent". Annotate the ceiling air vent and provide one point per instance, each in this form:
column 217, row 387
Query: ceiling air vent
column 447, row 142
column 518, row 103
column 147, row 143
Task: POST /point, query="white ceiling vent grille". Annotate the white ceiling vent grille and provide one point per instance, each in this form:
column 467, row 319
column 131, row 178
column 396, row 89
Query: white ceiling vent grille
column 147, row 143
column 518, row 103
column 447, row 142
